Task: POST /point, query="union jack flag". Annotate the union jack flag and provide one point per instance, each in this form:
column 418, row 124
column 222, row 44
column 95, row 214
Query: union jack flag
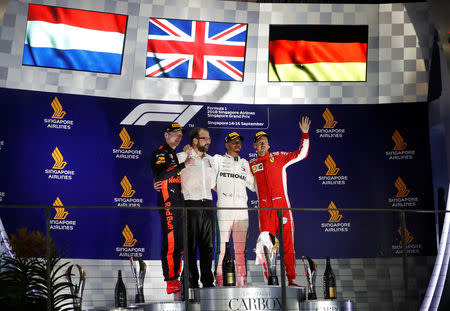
column 196, row 49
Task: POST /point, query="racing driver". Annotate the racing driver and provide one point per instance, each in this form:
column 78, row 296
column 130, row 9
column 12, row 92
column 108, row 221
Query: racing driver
column 269, row 170
column 233, row 177
column 166, row 171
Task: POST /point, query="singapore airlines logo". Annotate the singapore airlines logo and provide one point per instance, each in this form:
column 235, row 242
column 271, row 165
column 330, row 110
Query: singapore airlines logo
column 60, row 213
column 398, row 140
column 145, row 113
column 334, row 212
column 334, row 224
column 59, row 160
column 128, row 235
column 58, row 109
column 408, row 237
column 126, row 140
column 329, row 119
column 403, row 191
column 128, row 192
column 331, row 165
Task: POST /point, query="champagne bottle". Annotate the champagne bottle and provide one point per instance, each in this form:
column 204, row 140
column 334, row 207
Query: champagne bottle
column 120, row 293
column 229, row 274
column 329, row 282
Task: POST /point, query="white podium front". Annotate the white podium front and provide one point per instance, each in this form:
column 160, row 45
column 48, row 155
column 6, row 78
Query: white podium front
column 327, row 304
column 249, row 298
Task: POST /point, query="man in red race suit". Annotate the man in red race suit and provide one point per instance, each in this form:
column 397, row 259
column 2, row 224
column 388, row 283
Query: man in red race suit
column 269, row 170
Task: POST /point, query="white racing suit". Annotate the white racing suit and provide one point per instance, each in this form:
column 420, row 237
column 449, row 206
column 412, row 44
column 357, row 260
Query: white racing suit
column 233, row 177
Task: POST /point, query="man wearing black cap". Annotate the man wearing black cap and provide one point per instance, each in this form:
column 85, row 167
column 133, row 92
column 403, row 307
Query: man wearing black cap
column 233, row 177
column 166, row 169
column 269, row 170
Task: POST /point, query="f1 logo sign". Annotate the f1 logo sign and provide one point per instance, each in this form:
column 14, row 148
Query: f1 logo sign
column 145, row 113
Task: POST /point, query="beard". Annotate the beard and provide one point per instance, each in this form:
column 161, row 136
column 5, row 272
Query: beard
column 203, row 148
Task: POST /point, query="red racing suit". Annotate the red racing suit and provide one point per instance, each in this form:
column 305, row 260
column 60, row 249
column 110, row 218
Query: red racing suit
column 271, row 182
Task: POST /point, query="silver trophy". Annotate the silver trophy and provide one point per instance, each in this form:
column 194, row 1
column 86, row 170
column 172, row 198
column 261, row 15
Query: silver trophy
column 76, row 288
column 266, row 254
column 310, row 272
column 271, row 261
column 138, row 279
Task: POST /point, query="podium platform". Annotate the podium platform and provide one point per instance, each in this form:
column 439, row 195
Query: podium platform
column 327, row 304
column 235, row 298
column 248, row 298
column 160, row 306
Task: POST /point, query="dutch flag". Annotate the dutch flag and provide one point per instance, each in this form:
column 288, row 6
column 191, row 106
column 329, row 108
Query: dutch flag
column 74, row 39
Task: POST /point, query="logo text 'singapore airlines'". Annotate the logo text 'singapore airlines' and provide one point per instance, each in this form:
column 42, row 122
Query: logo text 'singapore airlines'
column 125, row 151
column 145, row 113
column 403, row 199
column 58, row 171
column 331, row 178
column 128, row 249
column 411, row 248
column 59, row 222
column 334, row 224
column 329, row 130
column 126, row 199
column 57, row 120
column 398, row 152
column 60, row 212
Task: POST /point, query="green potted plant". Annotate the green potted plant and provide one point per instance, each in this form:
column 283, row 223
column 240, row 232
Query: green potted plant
column 32, row 279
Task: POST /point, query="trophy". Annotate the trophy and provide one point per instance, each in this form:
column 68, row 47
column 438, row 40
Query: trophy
column 266, row 253
column 310, row 272
column 138, row 279
column 76, row 289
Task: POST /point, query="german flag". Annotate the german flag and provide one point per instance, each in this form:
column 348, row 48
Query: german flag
column 318, row 52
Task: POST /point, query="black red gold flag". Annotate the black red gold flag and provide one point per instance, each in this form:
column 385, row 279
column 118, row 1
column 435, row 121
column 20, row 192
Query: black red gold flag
column 318, row 52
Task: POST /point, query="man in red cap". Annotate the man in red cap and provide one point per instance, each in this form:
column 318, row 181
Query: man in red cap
column 166, row 170
column 269, row 170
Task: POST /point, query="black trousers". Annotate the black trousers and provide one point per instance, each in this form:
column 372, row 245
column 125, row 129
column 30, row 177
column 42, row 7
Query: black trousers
column 172, row 242
column 201, row 227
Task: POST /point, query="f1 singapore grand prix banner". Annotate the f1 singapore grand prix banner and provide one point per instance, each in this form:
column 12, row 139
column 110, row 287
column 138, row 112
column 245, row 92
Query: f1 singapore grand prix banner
column 66, row 151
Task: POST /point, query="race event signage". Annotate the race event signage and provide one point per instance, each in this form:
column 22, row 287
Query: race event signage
column 88, row 158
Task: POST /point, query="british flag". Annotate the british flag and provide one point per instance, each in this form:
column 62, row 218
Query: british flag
column 196, row 49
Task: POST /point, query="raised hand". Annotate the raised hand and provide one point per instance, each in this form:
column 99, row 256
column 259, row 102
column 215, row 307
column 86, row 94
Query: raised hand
column 304, row 124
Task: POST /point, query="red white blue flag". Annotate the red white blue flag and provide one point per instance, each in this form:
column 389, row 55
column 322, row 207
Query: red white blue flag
column 74, row 39
column 196, row 49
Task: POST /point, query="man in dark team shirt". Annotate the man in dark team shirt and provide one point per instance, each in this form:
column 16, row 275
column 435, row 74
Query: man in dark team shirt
column 166, row 168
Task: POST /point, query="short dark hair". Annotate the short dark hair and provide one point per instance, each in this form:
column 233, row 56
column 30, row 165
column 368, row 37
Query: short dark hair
column 195, row 133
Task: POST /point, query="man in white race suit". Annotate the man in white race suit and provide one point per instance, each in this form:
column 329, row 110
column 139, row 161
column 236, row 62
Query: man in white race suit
column 233, row 177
